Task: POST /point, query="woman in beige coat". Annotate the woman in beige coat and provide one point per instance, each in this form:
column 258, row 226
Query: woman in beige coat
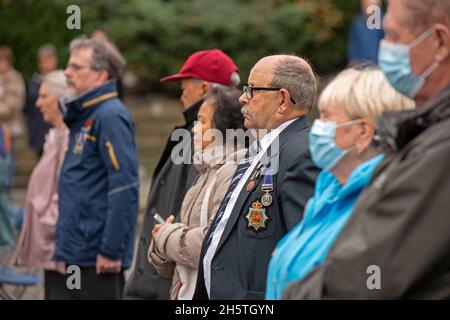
column 175, row 249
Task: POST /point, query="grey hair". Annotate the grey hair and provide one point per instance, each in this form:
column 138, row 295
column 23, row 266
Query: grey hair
column 105, row 56
column 47, row 50
column 235, row 80
column 57, row 84
column 298, row 78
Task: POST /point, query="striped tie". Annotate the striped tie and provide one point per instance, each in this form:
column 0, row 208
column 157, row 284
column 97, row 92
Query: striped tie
column 240, row 171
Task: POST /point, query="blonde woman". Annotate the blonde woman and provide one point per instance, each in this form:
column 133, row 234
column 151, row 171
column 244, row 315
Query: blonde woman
column 37, row 239
column 341, row 143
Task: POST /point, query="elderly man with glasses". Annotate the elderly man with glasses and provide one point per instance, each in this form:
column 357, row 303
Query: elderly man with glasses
column 269, row 190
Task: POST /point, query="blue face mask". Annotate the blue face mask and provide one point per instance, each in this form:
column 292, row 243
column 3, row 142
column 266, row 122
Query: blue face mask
column 322, row 143
column 395, row 61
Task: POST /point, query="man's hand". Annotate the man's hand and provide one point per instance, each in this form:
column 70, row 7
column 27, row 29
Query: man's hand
column 60, row 267
column 158, row 226
column 105, row 265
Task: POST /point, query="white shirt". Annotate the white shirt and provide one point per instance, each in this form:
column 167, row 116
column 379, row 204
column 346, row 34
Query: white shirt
column 265, row 142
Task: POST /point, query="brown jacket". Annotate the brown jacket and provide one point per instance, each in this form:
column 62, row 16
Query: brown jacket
column 396, row 244
column 12, row 100
column 176, row 250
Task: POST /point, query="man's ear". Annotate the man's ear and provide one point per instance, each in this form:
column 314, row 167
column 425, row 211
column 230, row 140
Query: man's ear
column 443, row 36
column 206, row 87
column 285, row 100
column 103, row 75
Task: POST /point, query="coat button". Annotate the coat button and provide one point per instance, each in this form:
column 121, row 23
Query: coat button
column 162, row 181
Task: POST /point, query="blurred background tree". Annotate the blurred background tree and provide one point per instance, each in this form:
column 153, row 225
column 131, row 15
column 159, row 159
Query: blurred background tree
column 156, row 36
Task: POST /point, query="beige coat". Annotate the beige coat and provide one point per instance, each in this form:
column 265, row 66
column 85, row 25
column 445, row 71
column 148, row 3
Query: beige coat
column 175, row 252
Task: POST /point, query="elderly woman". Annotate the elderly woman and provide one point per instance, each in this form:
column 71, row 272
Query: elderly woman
column 175, row 249
column 342, row 144
column 37, row 238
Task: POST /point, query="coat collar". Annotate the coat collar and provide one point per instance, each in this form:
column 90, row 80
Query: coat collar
column 92, row 98
column 190, row 114
column 397, row 129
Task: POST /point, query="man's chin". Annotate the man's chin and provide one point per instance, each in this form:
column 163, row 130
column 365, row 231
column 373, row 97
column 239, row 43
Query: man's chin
column 248, row 124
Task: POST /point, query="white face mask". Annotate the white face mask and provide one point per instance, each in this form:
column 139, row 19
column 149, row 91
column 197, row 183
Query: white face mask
column 395, row 61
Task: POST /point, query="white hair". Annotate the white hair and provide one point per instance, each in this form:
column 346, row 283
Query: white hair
column 364, row 93
column 57, row 84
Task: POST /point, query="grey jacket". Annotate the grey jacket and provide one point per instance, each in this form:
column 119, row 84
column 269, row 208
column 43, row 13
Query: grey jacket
column 396, row 244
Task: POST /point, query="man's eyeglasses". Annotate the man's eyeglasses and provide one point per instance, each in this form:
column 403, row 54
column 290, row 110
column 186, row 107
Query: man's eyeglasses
column 75, row 67
column 248, row 90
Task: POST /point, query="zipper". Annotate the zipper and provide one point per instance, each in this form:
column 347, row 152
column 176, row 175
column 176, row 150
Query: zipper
column 112, row 156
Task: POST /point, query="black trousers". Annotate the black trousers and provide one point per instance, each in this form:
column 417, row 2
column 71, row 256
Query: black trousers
column 93, row 286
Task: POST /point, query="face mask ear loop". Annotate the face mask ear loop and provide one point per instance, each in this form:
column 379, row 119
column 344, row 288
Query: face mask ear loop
column 430, row 70
column 348, row 123
column 421, row 38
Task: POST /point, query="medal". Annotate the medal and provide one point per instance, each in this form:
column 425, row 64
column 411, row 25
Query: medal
column 266, row 199
column 250, row 185
column 81, row 136
column 267, row 187
column 256, row 216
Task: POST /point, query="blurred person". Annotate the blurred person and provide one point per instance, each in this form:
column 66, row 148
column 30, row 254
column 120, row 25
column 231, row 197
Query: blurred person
column 266, row 198
column 395, row 246
column 7, row 236
column 47, row 58
column 12, row 98
column 342, row 143
column 37, row 239
column 98, row 184
column 201, row 72
column 7, row 232
column 12, row 93
column 364, row 42
column 175, row 249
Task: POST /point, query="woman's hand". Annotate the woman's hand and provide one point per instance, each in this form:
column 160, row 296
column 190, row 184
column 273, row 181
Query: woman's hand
column 158, row 226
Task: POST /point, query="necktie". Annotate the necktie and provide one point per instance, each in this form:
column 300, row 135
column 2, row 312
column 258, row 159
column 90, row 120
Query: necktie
column 240, row 171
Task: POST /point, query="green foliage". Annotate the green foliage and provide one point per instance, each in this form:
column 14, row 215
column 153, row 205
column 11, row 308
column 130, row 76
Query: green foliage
column 156, row 36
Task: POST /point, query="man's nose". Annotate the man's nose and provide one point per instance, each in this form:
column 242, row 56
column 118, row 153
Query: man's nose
column 243, row 99
column 67, row 73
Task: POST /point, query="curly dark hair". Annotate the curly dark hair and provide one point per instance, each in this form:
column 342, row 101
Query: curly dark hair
column 227, row 109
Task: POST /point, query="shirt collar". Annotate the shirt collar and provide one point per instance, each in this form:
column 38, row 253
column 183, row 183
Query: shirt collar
column 267, row 139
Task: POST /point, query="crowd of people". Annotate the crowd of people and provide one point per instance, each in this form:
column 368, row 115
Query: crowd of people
column 288, row 212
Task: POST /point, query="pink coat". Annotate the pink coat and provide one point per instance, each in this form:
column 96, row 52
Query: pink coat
column 37, row 239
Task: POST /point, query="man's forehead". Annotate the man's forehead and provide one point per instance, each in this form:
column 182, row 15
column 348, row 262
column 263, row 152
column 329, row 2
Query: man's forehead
column 81, row 54
column 261, row 73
